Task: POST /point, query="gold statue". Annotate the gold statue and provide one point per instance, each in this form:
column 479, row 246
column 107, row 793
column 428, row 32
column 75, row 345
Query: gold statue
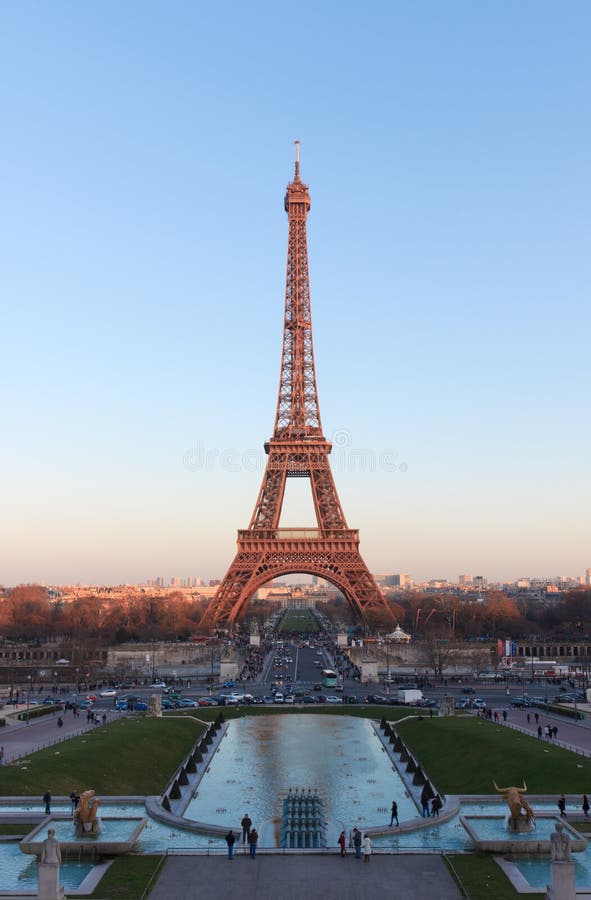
column 85, row 818
column 516, row 803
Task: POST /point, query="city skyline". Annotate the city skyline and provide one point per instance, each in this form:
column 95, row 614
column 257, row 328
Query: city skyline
column 145, row 243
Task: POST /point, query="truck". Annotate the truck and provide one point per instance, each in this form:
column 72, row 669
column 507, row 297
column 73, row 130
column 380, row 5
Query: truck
column 409, row 696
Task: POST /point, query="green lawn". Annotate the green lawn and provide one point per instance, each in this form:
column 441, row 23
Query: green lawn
column 131, row 756
column 481, row 877
column 127, row 878
column 465, row 755
column 300, row 620
column 8, row 830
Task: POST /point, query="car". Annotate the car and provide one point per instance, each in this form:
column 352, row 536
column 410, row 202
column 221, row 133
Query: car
column 288, row 699
column 478, row 703
column 332, row 699
column 321, row 698
column 428, row 703
column 229, row 684
column 167, row 704
column 49, row 699
column 207, row 701
column 521, row 703
column 92, row 697
column 109, row 692
column 468, row 690
column 461, row 704
column 309, row 698
column 140, row 706
column 159, row 686
column 317, row 687
column 186, row 704
column 86, row 704
column 267, row 699
column 278, row 698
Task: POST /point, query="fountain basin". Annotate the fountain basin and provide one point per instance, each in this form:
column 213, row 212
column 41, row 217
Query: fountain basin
column 491, row 835
column 117, row 836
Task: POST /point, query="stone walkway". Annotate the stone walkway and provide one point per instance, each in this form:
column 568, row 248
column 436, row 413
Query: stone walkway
column 414, row 877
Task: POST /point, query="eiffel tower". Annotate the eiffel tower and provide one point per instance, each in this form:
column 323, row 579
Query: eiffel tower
column 298, row 449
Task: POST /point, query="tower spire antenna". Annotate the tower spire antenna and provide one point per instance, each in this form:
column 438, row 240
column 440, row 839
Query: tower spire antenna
column 297, row 160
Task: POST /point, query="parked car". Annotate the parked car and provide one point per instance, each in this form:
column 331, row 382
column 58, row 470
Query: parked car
column 267, row 699
column 478, row 703
column 140, row 706
column 109, row 692
column 332, row 699
column 186, row 704
column 288, row 699
column 309, row 698
column 159, row 685
column 278, row 698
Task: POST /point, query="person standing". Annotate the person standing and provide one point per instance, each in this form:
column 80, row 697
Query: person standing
column 230, row 839
column 562, row 806
column 342, row 842
column 246, row 823
column 357, row 842
column 394, row 813
column 366, row 848
column 1, row 756
column 436, row 805
column 74, row 800
column 252, row 840
column 47, row 801
column 585, row 806
column 539, row 732
column 425, row 802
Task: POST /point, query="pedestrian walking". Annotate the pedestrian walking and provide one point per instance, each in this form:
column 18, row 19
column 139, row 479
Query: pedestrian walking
column 60, row 722
column 436, row 805
column 104, row 718
column 252, row 840
column 47, row 801
column 554, row 732
column 230, row 839
column 528, row 718
column 357, row 842
column 539, row 732
column 246, row 825
column 537, row 717
column 504, row 715
column 342, row 842
column 562, row 806
column 1, row 756
column 366, row 848
column 394, row 813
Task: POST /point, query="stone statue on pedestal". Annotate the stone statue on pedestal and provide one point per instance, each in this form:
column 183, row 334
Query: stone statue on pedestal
column 49, row 869
column 563, row 868
column 560, row 844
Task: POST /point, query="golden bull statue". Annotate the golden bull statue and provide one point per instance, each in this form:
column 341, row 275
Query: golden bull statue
column 85, row 819
column 517, row 803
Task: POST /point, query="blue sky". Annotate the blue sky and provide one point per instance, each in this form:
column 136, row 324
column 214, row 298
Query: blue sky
column 145, row 152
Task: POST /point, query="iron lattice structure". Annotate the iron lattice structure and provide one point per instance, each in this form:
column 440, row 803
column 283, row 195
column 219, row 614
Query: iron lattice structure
column 298, row 449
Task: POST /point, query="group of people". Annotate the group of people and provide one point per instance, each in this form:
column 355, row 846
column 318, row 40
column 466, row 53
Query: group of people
column 250, row 836
column 561, row 804
column 361, row 845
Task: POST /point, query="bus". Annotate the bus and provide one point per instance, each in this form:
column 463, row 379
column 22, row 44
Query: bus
column 329, row 678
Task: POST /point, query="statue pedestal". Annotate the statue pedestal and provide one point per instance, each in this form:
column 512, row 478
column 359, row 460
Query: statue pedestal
column 522, row 825
column 49, row 883
column 563, row 881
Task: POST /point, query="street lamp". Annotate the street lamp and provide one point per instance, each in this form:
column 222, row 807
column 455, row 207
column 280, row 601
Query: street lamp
column 77, row 680
column 29, row 679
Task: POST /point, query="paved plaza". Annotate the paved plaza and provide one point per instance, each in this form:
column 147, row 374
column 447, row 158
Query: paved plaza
column 278, row 877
